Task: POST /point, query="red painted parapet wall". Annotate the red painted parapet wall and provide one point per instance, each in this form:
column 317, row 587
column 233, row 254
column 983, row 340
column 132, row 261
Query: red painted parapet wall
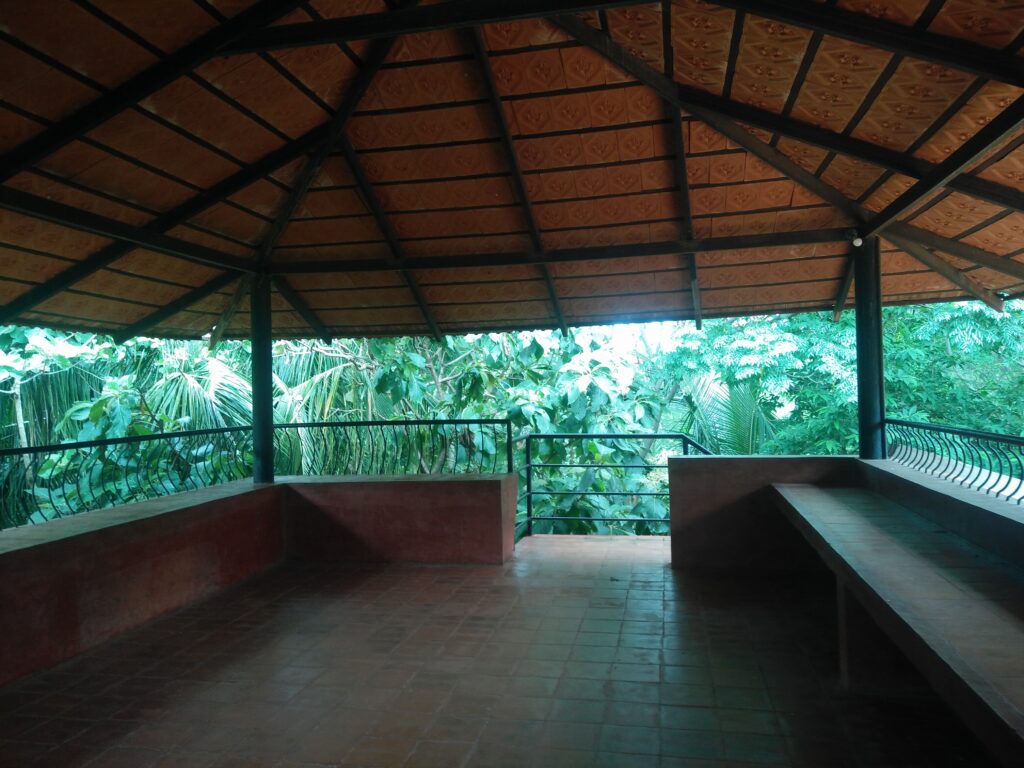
column 70, row 584
column 722, row 516
column 416, row 518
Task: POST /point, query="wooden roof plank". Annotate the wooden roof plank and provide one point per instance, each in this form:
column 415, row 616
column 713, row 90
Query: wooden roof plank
column 876, row 32
column 373, row 204
column 701, row 103
column 619, row 56
column 171, row 67
column 452, row 14
column 141, row 326
column 479, row 49
column 1002, row 127
column 85, row 221
column 301, row 308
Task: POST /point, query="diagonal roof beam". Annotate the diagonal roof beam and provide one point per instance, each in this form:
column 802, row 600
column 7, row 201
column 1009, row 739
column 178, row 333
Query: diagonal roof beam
column 682, row 178
column 45, row 209
column 1001, row 128
column 222, row 280
column 335, row 127
column 947, row 270
column 876, row 32
column 844, row 289
column 220, row 191
column 241, row 291
column 452, row 14
column 960, row 250
column 142, row 85
column 667, row 89
column 476, row 42
column 693, row 100
column 301, row 308
column 397, row 255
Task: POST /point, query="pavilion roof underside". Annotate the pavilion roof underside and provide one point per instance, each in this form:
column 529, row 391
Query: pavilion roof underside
column 452, row 167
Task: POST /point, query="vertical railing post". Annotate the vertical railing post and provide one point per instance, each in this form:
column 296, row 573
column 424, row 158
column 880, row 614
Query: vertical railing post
column 529, row 485
column 870, row 383
column 509, row 458
column 262, row 382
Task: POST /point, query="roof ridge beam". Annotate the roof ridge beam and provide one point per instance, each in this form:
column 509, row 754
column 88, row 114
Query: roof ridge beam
column 452, row 14
column 476, row 42
column 137, row 88
column 956, row 53
column 700, row 103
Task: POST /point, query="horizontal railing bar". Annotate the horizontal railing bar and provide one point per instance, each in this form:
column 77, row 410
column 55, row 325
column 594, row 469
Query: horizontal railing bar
column 606, row 519
column 58, row 447
column 597, row 493
column 994, row 436
column 628, row 436
column 603, row 466
column 388, row 423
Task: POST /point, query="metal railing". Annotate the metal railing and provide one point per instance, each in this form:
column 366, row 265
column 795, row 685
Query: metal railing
column 985, row 461
column 53, row 481
column 417, row 446
column 611, row 472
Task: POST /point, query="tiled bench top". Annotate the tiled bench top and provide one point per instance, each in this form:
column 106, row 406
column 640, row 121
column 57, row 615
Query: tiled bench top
column 964, row 603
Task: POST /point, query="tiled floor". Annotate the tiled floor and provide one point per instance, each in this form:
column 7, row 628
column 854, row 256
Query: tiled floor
column 581, row 652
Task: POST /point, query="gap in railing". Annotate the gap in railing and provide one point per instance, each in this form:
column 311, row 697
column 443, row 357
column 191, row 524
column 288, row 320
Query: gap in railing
column 620, row 490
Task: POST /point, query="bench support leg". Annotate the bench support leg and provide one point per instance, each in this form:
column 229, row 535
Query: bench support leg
column 868, row 659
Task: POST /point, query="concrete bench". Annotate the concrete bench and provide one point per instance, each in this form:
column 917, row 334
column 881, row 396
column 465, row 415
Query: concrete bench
column 955, row 610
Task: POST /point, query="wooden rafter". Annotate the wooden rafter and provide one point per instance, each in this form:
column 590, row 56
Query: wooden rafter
column 300, row 187
column 476, row 42
column 876, row 32
column 1002, row 127
column 679, row 167
column 453, row 14
column 241, row 291
column 693, row 100
column 142, row 85
column 724, row 125
column 222, row 280
column 394, row 245
column 85, row 221
column 301, row 308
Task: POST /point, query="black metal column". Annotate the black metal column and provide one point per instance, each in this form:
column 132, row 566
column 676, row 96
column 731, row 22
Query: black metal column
column 262, row 382
column 870, row 384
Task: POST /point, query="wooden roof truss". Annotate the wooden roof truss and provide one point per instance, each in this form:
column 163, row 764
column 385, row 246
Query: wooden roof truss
column 911, row 188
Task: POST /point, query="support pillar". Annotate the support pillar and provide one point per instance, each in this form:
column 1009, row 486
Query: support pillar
column 262, row 382
column 870, row 383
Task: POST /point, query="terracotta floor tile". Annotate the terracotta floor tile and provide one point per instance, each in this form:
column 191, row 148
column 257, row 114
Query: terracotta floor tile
column 579, row 652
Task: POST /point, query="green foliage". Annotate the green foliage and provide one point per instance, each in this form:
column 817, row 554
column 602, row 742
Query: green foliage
column 746, row 385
